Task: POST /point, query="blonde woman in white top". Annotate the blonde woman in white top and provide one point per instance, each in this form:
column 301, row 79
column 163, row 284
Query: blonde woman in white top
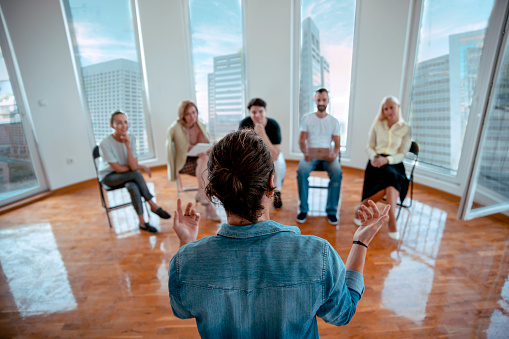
column 389, row 140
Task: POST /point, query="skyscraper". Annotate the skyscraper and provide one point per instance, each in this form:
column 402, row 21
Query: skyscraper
column 441, row 98
column 113, row 85
column 430, row 111
column 314, row 68
column 226, row 94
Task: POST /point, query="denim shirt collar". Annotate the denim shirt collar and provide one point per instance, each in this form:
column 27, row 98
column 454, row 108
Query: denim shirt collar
column 255, row 230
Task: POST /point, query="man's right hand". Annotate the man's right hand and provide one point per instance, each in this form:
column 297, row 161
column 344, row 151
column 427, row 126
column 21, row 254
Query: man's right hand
column 307, row 157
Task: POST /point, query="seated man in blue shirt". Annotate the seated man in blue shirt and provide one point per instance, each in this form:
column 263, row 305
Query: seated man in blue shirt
column 257, row 278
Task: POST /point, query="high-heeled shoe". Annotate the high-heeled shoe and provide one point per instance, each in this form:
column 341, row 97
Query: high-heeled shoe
column 201, row 200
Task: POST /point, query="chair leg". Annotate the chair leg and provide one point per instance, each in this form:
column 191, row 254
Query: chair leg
column 399, row 211
column 108, row 216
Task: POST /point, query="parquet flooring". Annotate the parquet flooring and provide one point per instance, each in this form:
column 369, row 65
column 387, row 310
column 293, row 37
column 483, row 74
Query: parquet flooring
column 65, row 274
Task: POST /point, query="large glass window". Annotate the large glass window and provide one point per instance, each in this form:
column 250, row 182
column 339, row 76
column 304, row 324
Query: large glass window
column 449, row 49
column 18, row 170
column 218, row 63
column 326, row 49
column 106, row 49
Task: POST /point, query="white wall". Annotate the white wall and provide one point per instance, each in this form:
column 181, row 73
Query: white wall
column 39, row 38
column 378, row 66
column 43, row 54
column 168, row 65
column 268, row 37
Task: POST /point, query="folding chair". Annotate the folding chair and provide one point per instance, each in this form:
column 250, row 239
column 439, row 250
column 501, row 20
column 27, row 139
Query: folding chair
column 181, row 188
column 412, row 155
column 102, row 187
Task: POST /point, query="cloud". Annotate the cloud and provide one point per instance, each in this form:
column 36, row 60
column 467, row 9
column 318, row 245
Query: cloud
column 96, row 45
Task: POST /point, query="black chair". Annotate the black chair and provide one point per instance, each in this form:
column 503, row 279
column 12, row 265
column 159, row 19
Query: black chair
column 412, row 155
column 102, row 188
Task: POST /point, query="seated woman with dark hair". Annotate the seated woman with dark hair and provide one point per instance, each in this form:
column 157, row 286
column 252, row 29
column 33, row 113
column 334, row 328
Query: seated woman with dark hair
column 257, row 278
column 389, row 140
column 119, row 166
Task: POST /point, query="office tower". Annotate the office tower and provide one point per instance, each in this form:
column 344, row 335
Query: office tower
column 465, row 51
column 314, row 68
column 226, row 94
column 112, row 85
column 441, row 98
column 494, row 163
column 430, row 111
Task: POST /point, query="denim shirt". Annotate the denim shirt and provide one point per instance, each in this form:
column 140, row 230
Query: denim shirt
column 264, row 280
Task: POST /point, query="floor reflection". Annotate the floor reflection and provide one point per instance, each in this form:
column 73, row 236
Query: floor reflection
column 317, row 197
column 124, row 220
column 35, row 271
column 409, row 283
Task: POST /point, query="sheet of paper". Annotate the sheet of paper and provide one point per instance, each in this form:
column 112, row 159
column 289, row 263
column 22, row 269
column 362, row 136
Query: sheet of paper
column 199, row 148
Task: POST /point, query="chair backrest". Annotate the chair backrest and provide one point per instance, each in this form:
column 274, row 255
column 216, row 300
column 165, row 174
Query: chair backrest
column 414, row 149
column 96, row 155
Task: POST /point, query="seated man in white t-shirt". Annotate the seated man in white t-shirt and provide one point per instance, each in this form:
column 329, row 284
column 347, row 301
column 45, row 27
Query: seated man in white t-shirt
column 317, row 132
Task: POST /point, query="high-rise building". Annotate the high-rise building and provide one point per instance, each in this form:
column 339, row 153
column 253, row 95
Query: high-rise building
column 441, row 97
column 465, row 51
column 494, row 164
column 430, row 111
column 226, row 94
column 314, row 68
column 116, row 85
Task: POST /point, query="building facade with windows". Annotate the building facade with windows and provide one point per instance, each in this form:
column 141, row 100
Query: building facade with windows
column 116, row 85
column 226, row 94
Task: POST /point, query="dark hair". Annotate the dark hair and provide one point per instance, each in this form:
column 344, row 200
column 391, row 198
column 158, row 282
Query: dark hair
column 240, row 166
column 257, row 102
column 322, row 90
column 117, row 112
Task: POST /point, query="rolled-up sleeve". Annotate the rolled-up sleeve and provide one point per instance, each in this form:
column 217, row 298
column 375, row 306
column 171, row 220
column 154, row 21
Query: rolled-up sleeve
column 342, row 290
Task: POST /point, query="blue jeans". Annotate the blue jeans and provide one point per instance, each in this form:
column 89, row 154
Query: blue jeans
column 335, row 172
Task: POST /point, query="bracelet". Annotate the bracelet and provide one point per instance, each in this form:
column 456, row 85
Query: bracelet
column 360, row 243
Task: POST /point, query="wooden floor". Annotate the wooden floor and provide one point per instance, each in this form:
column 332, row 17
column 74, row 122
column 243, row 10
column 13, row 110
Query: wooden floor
column 65, row 273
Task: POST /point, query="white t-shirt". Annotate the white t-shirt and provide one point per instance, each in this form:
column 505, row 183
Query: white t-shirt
column 320, row 131
column 112, row 150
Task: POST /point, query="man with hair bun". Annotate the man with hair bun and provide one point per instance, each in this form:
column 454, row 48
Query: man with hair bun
column 257, row 278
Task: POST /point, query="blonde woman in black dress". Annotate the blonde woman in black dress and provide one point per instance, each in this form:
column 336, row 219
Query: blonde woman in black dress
column 389, row 140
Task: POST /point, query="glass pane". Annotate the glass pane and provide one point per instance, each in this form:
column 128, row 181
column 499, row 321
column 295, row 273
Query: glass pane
column 218, row 62
column 493, row 171
column 106, row 49
column 17, row 174
column 326, row 51
column 449, row 48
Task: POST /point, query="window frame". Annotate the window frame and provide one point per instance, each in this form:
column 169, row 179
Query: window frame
column 295, row 81
column 186, row 12
column 74, row 49
column 19, row 93
column 454, row 184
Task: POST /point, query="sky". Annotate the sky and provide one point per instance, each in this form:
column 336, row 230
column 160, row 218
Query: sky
column 216, row 29
column 104, row 31
column 443, row 18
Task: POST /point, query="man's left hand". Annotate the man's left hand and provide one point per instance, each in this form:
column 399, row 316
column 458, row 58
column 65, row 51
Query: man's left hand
column 331, row 157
